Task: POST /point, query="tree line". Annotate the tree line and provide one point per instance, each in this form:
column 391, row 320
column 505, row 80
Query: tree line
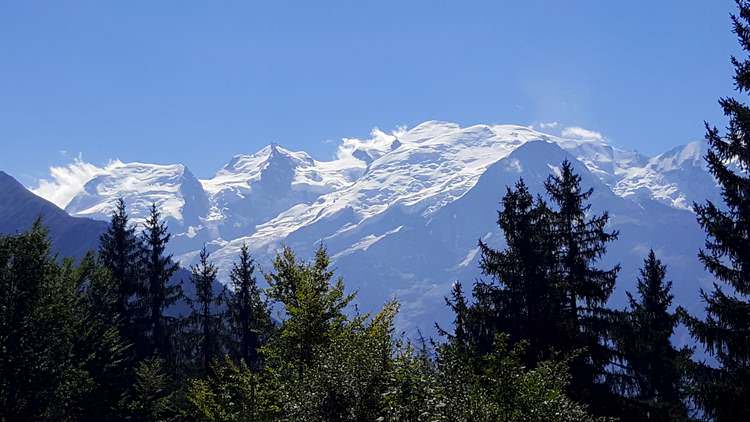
column 104, row 340
column 116, row 337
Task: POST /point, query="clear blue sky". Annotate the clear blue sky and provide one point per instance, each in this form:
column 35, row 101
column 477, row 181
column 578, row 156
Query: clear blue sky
column 196, row 82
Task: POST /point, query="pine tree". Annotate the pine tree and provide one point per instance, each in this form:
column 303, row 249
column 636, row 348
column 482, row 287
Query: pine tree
column 205, row 317
column 653, row 368
column 313, row 302
column 159, row 292
column 724, row 393
column 250, row 316
column 581, row 242
column 120, row 252
column 463, row 337
column 522, row 298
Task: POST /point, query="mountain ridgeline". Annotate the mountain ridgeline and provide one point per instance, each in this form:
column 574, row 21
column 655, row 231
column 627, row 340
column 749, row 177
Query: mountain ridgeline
column 410, row 206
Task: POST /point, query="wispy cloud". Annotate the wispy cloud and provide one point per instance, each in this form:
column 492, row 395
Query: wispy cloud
column 548, row 125
column 544, row 126
column 67, row 181
column 378, row 143
column 581, row 133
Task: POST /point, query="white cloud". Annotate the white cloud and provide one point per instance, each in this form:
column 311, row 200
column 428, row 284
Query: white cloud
column 379, row 143
column 544, row 126
column 581, row 133
column 548, row 125
column 67, row 181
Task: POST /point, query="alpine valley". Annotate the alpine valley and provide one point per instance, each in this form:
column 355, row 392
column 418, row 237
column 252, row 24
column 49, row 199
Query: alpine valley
column 401, row 213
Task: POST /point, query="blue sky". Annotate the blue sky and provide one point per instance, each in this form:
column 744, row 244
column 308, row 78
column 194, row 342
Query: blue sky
column 197, row 82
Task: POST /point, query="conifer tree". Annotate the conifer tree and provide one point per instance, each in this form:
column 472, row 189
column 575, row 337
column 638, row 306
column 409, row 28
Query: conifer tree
column 249, row 314
column 205, row 318
column 121, row 253
column 103, row 350
column 653, row 368
column 724, row 392
column 313, row 302
column 522, row 298
column 581, row 242
column 153, row 397
column 26, row 372
column 159, row 292
column 464, row 333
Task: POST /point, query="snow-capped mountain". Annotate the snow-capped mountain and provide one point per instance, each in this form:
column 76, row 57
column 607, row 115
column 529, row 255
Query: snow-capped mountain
column 252, row 189
column 175, row 191
column 401, row 212
column 677, row 178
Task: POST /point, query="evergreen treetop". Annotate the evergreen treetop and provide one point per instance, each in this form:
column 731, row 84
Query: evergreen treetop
column 205, row 318
column 581, row 240
column 159, row 292
column 314, row 303
column 525, row 299
column 249, row 314
column 652, row 378
column 724, row 393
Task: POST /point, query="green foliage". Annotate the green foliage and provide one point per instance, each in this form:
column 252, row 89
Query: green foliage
column 153, row 397
column 58, row 339
column 100, row 339
column 546, row 289
column 121, row 253
column 232, row 393
column 508, row 357
column 157, row 329
column 411, row 393
column 497, row 387
column 355, row 370
column 347, row 376
column 249, row 314
column 524, row 300
column 204, row 340
column 364, row 374
column 313, row 304
column 652, row 379
column 581, row 241
column 724, row 392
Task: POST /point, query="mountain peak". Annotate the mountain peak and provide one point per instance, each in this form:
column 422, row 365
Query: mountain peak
column 276, row 148
column 690, row 154
column 435, row 124
column 171, row 186
column 272, row 152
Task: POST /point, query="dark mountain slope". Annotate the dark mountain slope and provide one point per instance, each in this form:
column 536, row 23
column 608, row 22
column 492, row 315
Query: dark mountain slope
column 71, row 236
